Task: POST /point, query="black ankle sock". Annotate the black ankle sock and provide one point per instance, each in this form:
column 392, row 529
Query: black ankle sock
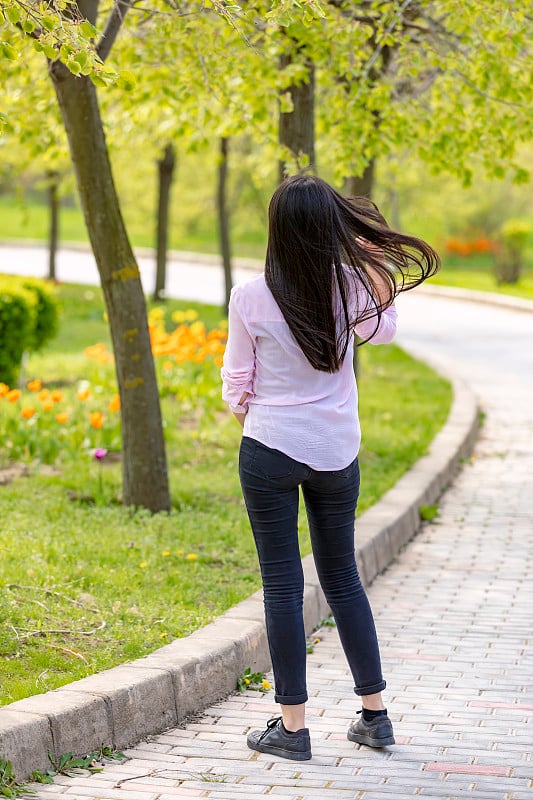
column 290, row 733
column 368, row 715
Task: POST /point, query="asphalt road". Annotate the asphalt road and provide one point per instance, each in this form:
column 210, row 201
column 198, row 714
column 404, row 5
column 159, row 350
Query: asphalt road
column 187, row 277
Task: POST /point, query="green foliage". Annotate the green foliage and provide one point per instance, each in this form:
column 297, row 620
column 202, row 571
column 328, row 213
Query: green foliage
column 17, row 323
column 28, row 319
column 46, row 313
column 255, row 681
column 71, row 765
column 56, row 32
column 428, row 513
column 448, row 82
column 514, row 235
column 9, row 786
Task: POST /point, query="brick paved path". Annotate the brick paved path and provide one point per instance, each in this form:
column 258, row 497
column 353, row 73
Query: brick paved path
column 453, row 612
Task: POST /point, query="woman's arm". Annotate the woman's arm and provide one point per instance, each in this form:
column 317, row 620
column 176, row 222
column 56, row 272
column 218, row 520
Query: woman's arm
column 239, row 361
column 383, row 285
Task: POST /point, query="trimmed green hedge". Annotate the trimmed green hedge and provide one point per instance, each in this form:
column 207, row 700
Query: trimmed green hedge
column 29, row 317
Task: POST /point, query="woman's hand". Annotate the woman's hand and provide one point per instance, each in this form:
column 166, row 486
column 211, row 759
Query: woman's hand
column 239, row 416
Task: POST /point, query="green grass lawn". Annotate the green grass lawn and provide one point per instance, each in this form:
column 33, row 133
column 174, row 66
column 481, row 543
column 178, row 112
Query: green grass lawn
column 86, row 586
column 30, row 221
column 476, row 273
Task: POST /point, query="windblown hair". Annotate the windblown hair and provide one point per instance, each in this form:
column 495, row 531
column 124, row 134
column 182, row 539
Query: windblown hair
column 320, row 246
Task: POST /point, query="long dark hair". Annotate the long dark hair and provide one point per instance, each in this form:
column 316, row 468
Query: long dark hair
column 318, row 243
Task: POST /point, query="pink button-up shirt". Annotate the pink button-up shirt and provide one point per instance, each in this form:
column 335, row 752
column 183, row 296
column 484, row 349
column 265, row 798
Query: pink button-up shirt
column 308, row 414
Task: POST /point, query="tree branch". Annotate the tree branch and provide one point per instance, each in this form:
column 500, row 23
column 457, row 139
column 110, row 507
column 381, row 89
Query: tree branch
column 488, row 96
column 113, row 25
column 397, row 19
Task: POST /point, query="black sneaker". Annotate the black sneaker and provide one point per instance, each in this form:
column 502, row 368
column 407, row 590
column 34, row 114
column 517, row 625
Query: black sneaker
column 276, row 741
column 376, row 733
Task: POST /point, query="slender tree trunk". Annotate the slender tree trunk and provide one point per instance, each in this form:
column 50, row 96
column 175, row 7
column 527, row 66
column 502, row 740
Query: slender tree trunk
column 297, row 127
column 53, row 205
column 224, row 218
column 360, row 185
column 166, row 167
column 145, row 479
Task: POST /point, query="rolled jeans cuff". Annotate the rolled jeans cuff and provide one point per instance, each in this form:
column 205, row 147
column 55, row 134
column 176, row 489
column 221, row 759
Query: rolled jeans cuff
column 291, row 700
column 373, row 689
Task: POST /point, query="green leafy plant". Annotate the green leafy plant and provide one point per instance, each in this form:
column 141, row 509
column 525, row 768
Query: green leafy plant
column 71, row 765
column 9, row 786
column 46, row 312
column 252, row 680
column 28, row 319
column 428, row 513
column 514, row 234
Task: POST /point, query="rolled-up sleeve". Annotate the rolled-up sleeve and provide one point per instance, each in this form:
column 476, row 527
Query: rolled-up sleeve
column 382, row 333
column 239, row 358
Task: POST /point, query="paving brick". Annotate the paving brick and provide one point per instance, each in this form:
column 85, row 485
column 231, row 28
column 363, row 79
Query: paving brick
column 224, row 795
column 468, row 769
column 53, row 794
column 108, row 794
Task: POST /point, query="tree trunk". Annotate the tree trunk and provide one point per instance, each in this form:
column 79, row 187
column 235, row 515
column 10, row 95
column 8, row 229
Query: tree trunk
column 508, row 265
column 223, row 218
column 360, row 185
column 166, row 171
column 53, row 205
column 297, row 127
column 145, row 479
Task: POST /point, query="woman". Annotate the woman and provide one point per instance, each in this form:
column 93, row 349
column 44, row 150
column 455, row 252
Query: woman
column 333, row 267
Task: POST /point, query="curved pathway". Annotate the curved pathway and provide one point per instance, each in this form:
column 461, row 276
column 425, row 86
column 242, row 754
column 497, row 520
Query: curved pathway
column 453, row 613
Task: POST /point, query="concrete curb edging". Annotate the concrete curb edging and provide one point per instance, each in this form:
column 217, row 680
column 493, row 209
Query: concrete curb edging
column 125, row 704
column 474, row 296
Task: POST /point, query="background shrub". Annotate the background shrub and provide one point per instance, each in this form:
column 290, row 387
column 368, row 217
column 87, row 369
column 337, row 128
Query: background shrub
column 29, row 314
column 47, row 313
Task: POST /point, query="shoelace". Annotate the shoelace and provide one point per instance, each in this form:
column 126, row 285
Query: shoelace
column 270, row 724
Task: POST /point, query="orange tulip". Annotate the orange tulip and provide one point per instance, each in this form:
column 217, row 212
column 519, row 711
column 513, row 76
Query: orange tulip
column 62, row 417
column 57, row 396
column 4, row 389
column 44, row 395
column 27, row 413
column 34, row 386
column 95, row 351
column 13, row 395
column 114, row 403
column 96, row 419
column 83, row 394
column 48, row 404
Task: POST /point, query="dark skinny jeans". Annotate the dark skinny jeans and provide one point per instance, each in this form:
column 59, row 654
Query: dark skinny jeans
column 270, row 483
